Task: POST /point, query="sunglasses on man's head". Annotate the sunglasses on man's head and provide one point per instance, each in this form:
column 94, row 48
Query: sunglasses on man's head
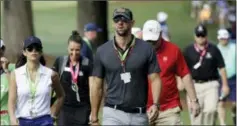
column 37, row 48
column 123, row 19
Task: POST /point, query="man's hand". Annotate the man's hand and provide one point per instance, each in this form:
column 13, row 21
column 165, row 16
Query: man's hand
column 195, row 108
column 4, row 63
column 225, row 89
column 153, row 113
column 94, row 121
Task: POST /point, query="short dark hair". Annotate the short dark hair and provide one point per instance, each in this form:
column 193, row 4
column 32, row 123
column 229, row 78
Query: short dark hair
column 75, row 36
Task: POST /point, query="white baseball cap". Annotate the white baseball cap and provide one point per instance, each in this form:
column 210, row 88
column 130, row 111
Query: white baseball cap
column 135, row 30
column 2, row 44
column 151, row 30
column 162, row 16
column 222, row 34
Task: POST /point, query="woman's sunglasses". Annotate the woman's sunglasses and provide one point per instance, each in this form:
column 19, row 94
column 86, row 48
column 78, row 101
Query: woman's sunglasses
column 37, row 48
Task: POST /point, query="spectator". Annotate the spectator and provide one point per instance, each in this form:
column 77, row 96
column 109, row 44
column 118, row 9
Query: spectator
column 74, row 71
column 196, row 6
column 125, row 71
column 162, row 19
column 228, row 52
column 204, row 59
column 222, row 12
column 172, row 63
column 205, row 15
column 30, row 87
column 5, row 74
column 90, row 35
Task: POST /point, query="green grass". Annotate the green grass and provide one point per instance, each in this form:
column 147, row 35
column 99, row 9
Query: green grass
column 54, row 21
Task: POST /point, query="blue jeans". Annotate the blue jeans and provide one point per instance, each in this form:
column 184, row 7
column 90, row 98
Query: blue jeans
column 45, row 120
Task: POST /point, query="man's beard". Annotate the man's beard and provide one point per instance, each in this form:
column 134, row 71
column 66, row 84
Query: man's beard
column 125, row 33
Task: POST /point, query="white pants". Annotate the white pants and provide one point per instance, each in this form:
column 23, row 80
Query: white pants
column 207, row 94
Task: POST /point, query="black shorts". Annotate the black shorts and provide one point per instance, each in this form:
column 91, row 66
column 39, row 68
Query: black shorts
column 74, row 116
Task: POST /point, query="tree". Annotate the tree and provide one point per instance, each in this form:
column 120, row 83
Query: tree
column 93, row 11
column 17, row 26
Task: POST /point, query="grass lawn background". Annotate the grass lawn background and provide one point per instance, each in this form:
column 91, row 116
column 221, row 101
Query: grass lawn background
column 54, row 21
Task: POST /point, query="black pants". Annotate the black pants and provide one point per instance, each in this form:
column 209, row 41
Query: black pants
column 74, row 116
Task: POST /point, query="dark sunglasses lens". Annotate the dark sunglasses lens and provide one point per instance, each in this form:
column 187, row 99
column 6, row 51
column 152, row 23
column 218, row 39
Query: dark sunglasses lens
column 123, row 19
column 29, row 49
column 201, row 35
column 37, row 48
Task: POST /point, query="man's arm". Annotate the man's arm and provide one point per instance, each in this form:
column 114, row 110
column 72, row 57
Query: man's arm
column 182, row 70
column 96, row 87
column 96, row 93
column 224, row 80
column 153, row 75
column 221, row 65
column 189, row 87
column 155, row 86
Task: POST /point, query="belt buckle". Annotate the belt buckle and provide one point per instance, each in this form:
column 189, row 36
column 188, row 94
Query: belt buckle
column 140, row 110
column 115, row 107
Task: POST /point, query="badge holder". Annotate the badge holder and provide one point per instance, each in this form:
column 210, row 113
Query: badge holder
column 75, row 89
column 126, row 77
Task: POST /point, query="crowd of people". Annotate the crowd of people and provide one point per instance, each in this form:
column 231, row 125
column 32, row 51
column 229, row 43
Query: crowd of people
column 140, row 67
column 222, row 12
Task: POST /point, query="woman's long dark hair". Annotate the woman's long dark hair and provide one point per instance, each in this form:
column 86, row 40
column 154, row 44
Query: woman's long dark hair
column 22, row 61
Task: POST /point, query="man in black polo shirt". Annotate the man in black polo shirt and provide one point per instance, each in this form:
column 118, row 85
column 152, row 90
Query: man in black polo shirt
column 204, row 59
column 124, row 62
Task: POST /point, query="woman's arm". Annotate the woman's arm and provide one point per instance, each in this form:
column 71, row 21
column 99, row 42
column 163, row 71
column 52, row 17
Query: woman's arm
column 59, row 95
column 12, row 99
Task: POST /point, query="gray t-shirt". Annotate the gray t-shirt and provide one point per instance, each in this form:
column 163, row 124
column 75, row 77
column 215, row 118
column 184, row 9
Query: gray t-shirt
column 140, row 63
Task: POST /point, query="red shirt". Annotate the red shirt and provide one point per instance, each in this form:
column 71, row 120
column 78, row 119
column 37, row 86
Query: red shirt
column 172, row 63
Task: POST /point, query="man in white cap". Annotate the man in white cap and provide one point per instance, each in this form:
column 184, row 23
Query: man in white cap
column 162, row 19
column 172, row 64
column 137, row 32
column 228, row 52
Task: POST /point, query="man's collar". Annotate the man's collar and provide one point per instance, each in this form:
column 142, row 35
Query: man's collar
column 130, row 44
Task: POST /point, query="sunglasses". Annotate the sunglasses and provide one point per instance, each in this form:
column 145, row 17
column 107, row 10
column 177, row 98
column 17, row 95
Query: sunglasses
column 123, row 19
column 201, row 35
column 37, row 48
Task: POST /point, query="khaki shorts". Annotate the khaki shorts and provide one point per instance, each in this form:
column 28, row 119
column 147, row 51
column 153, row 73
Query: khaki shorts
column 168, row 117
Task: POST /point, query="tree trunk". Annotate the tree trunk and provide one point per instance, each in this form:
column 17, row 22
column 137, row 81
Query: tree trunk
column 93, row 11
column 17, row 26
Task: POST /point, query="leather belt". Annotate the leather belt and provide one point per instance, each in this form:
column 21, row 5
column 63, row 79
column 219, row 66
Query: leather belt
column 203, row 81
column 126, row 109
column 3, row 112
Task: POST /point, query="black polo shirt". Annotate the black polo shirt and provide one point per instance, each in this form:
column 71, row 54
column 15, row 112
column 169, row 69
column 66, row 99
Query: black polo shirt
column 210, row 64
column 83, row 81
column 140, row 63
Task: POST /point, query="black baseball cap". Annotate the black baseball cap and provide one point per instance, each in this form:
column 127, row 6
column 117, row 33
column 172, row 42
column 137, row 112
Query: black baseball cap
column 32, row 40
column 124, row 12
column 200, row 30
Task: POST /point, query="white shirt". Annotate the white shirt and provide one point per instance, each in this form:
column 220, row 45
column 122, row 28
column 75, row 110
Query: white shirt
column 42, row 96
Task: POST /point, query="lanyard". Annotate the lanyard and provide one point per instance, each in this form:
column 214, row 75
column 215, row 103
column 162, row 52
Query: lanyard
column 33, row 85
column 74, row 74
column 87, row 42
column 201, row 52
column 123, row 57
